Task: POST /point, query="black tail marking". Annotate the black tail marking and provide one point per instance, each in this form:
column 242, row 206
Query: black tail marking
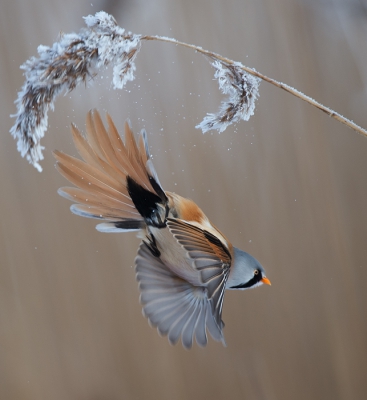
column 150, row 206
column 129, row 224
column 158, row 189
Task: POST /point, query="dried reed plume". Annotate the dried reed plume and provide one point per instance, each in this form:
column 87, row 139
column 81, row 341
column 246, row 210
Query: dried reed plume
column 62, row 67
column 77, row 56
column 242, row 89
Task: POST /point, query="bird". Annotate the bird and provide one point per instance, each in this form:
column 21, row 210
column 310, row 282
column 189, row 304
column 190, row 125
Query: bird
column 184, row 263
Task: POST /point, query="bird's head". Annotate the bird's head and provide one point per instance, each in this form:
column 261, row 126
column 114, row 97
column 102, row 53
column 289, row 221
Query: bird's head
column 246, row 272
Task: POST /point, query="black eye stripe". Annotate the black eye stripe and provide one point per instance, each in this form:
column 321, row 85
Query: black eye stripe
column 256, row 279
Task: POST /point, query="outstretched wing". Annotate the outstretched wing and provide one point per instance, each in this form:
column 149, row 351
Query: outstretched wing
column 173, row 305
column 209, row 256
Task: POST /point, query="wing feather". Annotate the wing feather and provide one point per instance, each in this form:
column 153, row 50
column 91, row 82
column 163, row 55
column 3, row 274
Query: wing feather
column 200, row 331
column 209, row 256
column 176, row 307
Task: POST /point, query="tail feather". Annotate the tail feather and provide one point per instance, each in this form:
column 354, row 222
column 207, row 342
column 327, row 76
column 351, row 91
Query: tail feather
column 83, row 197
column 88, row 177
column 120, row 226
column 100, row 212
column 126, row 156
column 143, row 147
column 115, row 178
column 90, row 156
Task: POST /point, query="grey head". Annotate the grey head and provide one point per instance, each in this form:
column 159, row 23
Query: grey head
column 246, row 272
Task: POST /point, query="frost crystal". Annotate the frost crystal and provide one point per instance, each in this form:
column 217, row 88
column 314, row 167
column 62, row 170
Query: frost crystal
column 242, row 90
column 62, row 67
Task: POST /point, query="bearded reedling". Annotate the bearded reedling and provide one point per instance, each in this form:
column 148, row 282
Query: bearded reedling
column 184, row 263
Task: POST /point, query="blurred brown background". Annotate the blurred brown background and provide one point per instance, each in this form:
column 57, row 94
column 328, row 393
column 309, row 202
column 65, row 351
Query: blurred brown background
column 289, row 186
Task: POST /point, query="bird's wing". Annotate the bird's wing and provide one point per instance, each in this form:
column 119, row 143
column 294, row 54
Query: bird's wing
column 209, row 256
column 173, row 305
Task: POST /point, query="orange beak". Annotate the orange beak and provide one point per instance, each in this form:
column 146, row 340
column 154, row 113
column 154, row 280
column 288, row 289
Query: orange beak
column 265, row 280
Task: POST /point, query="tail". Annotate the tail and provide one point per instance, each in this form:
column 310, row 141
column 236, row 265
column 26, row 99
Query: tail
column 116, row 182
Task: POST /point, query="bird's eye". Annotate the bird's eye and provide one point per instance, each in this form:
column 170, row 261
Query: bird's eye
column 256, row 272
